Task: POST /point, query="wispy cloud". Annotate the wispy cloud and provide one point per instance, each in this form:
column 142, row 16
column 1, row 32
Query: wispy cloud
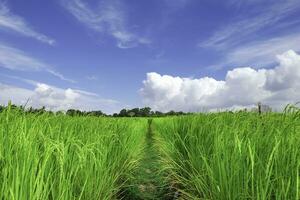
column 10, row 21
column 15, row 59
column 239, row 3
column 54, row 98
column 36, row 83
column 259, row 53
column 92, row 78
column 262, row 53
column 264, row 16
column 108, row 17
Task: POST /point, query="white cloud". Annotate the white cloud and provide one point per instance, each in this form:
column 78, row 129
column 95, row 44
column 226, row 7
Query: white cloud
column 260, row 53
column 9, row 21
column 17, row 95
column 267, row 14
column 242, row 87
column 15, row 59
column 286, row 75
column 54, row 98
column 109, row 17
column 92, row 78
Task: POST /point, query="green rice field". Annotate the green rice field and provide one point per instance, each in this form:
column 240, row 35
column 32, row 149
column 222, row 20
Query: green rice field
column 224, row 155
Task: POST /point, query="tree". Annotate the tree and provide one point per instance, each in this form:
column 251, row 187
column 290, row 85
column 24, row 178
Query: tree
column 136, row 112
column 73, row 112
column 158, row 114
column 97, row 113
column 171, row 113
column 1, row 108
column 145, row 112
column 123, row 113
column 59, row 113
column 131, row 114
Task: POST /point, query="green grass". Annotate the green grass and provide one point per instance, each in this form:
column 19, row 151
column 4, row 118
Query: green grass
column 61, row 157
column 205, row 156
column 148, row 180
column 232, row 156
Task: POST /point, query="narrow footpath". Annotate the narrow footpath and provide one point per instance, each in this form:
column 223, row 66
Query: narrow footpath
column 148, row 181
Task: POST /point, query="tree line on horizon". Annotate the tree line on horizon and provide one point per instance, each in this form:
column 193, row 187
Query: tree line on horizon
column 135, row 112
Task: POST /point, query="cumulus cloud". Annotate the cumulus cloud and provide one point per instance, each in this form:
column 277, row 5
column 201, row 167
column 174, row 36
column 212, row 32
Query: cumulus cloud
column 15, row 94
column 242, row 87
column 9, row 21
column 286, row 75
column 108, row 18
column 54, row 98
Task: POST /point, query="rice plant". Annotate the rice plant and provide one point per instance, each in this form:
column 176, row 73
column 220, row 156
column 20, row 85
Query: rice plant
column 60, row 157
column 232, row 155
column 205, row 156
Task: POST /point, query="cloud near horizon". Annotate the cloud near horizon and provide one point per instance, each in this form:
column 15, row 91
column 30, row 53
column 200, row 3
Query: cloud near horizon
column 54, row 98
column 242, row 87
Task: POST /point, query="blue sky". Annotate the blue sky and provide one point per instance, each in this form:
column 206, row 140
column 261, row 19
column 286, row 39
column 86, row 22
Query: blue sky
column 109, row 54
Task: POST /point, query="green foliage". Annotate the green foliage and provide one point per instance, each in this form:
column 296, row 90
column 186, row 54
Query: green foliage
column 1, row 108
column 82, row 155
column 135, row 112
column 232, row 155
column 146, row 112
column 46, row 156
